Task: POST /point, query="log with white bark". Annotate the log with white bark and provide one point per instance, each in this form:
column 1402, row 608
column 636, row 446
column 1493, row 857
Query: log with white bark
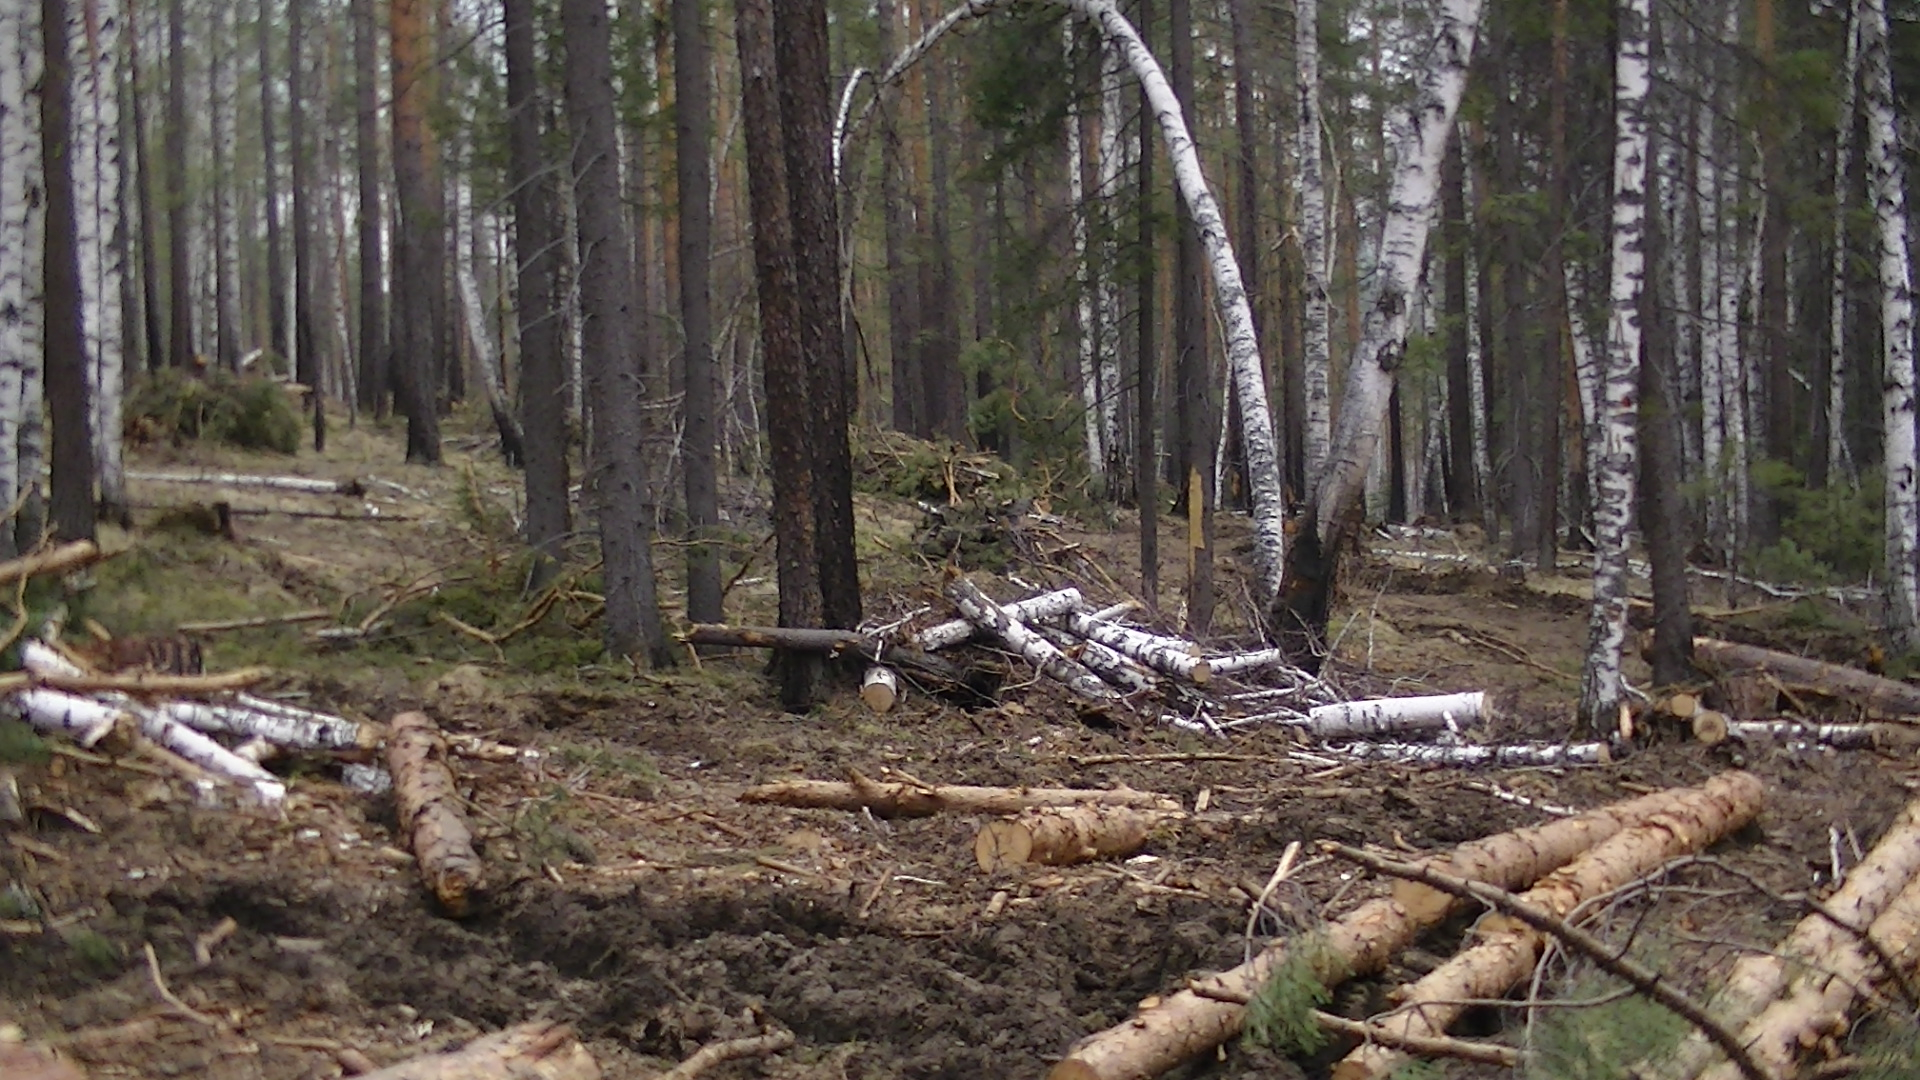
column 1522, row 755
column 1505, row 950
column 916, row 662
column 309, row 484
column 81, row 719
column 430, row 814
column 1396, row 716
column 1236, row 663
column 915, row 799
column 880, row 688
column 1833, row 680
column 1061, row 836
column 1122, row 672
column 182, row 740
column 60, row 560
column 1839, row 736
column 1036, row 650
column 1183, row 1025
column 1033, row 609
column 1758, row 978
column 540, row 1050
column 306, row 733
column 1169, row 655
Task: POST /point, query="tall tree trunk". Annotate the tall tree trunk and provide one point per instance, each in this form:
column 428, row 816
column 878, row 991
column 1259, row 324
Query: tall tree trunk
column 903, row 321
column 1558, row 347
column 93, row 37
column 1888, row 189
column 152, row 334
column 1318, row 363
column 485, row 348
column 1116, row 154
column 1298, row 615
column 23, row 282
column 179, row 203
column 1663, row 511
column 270, row 181
column 610, row 341
column 417, row 265
column 1194, row 411
column 1776, row 352
column 226, row 240
column 940, row 360
column 1463, row 484
column 783, row 364
column 536, row 247
column 806, row 117
column 307, row 364
column 1146, row 462
column 1838, row 461
column 71, row 500
column 375, row 378
column 1081, row 178
column 692, row 106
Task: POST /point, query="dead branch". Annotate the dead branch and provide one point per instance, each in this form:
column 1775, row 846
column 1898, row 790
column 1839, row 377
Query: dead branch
column 540, row 1050
column 167, row 995
column 905, row 799
column 255, row 623
column 144, row 683
column 835, row 642
column 60, row 560
column 730, row 1050
column 429, row 811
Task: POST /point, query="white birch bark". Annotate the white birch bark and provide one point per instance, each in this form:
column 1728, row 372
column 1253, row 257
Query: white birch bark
column 22, row 236
column 1116, row 161
column 1036, row 650
column 1168, row 655
column 473, row 309
column 1403, row 241
column 93, row 32
column 1033, row 609
column 1477, row 399
column 1318, row 350
column 1712, row 361
column 1896, row 323
column 1388, row 716
column 307, row 733
column 1838, row 736
column 1084, row 276
column 1520, row 755
column 82, row 719
column 226, row 229
column 1613, row 465
column 1839, row 461
column 1119, row 670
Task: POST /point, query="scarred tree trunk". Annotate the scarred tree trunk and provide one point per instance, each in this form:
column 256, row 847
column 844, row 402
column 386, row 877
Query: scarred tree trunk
column 692, row 94
column 1612, row 472
column 1194, row 418
column 1888, row 190
column 71, row 501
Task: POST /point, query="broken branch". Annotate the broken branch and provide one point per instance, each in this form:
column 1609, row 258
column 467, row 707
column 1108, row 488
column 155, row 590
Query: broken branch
column 921, row 800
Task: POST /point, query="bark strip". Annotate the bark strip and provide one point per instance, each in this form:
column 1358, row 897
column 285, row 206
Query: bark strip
column 430, row 814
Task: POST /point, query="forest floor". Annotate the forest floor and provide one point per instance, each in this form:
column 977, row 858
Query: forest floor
column 635, row 897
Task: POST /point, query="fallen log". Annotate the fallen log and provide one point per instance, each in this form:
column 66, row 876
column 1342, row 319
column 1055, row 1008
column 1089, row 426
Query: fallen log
column 1521, row 755
column 429, row 812
column 1061, row 836
column 310, row 485
column 58, row 560
column 1183, row 1025
column 255, row 623
column 1247, row 661
column 540, row 1050
column 1033, row 609
column 1394, row 716
column 1758, row 978
column 83, row 720
column 1169, row 656
column 1036, row 650
column 1119, row 671
column 306, row 733
column 914, row 799
column 1833, row 680
column 916, row 662
column 1506, row 950
column 1838, row 736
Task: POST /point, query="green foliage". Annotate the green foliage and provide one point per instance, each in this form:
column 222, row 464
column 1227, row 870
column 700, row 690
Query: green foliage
column 1419, row 1070
column 17, row 903
column 548, row 839
column 1601, row 1042
column 1826, row 534
column 96, row 949
column 247, row 411
column 1889, row 1049
column 1280, row 1016
column 19, row 745
column 1033, row 415
column 633, row 774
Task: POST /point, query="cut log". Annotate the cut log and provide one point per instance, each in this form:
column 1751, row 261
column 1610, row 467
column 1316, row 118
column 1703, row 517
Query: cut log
column 1395, row 716
column 1036, row 650
column 1247, row 661
column 1833, row 680
column 1170, row 656
column 1521, row 755
column 1040, row 608
column 908, row 799
column 1839, row 736
column 318, row 732
column 1190, row 1022
column 1061, row 836
column 59, row 560
column 1709, row 726
column 880, row 688
column 310, row 485
column 914, row 662
column 1680, row 706
column 83, row 720
column 1505, row 949
column 430, row 814
column 536, row 1051
column 1756, row 979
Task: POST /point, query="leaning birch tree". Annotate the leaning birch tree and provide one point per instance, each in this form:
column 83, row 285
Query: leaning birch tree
column 1896, row 324
column 1614, row 446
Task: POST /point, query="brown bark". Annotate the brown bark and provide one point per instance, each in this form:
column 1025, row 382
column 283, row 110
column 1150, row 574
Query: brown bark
column 71, row 504
column 419, row 251
column 692, row 105
column 1194, row 409
column 1663, row 512
column 1146, row 418
column 540, row 1050
column 903, row 306
column 270, row 180
column 912, row 798
column 1833, row 680
column 1061, row 836
column 306, row 354
column 429, row 811
column 179, row 202
column 1185, row 1024
column 372, row 384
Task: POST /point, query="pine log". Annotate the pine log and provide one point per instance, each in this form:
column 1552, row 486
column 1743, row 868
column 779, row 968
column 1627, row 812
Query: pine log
column 1183, row 1025
column 1506, row 949
column 835, row 642
column 1040, row 608
column 880, row 688
column 1758, row 978
column 1818, row 1000
column 310, row 485
column 59, row 560
column 1521, row 755
column 1061, row 836
column 1833, row 680
column 1680, row 706
column 540, row 1050
column 1041, row 653
column 1710, row 726
column 904, row 799
column 430, row 814
column 1394, row 716
column 1170, row 656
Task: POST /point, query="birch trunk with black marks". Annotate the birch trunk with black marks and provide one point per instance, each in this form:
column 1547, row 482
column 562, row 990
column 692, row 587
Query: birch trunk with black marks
column 20, row 239
column 1839, row 460
column 1036, row 650
column 93, row 36
column 1313, row 237
column 226, row 231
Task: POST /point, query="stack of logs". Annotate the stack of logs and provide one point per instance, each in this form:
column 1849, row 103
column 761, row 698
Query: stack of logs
column 1752, row 685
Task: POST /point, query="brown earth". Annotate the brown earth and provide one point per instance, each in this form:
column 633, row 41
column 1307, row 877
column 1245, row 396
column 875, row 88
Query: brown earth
column 633, row 896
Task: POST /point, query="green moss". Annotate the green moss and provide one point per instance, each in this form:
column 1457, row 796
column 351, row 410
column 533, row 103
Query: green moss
column 95, row 949
column 19, row 745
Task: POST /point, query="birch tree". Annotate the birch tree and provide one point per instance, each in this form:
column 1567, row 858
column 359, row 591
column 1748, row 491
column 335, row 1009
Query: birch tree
column 93, row 33
column 1318, row 361
column 1888, row 190
column 1838, row 462
column 1614, row 445
column 20, row 239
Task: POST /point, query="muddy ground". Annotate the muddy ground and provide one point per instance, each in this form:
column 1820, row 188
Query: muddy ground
column 633, row 896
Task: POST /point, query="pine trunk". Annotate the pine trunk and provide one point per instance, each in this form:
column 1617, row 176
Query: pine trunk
column 375, row 356
column 1146, row 419
column 153, row 336
column 417, row 264
column 226, row 239
column 306, row 352
column 179, row 201
column 903, row 314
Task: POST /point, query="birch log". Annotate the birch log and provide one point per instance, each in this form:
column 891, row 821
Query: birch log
column 880, row 688
column 315, row 733
column 1033, row 609
column 1061, row 836
column 83, row 720
column 429, row 812
column 905, row 799
column 1758, row 978
column 1168, row 655
column 1839, row 736
column 1392, row 716
column 308, row 484
column 1036, row 650
column 541, row 1050
column 1521, row 755
column 1119, row 670
column 1187, row 1023
column 1505, row 949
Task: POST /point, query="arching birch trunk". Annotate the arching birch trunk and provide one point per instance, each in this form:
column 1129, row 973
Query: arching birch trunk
column 480, row 335
column 1614, row 445
column 1839, row 461
column 1318, row 350
column 1896, row 323
column 93, row 33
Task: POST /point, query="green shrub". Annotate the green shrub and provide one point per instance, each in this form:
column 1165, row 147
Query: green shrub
column 246, row 411
column 1601, row 1042
column 1280, row 1016
column 1827, row 534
